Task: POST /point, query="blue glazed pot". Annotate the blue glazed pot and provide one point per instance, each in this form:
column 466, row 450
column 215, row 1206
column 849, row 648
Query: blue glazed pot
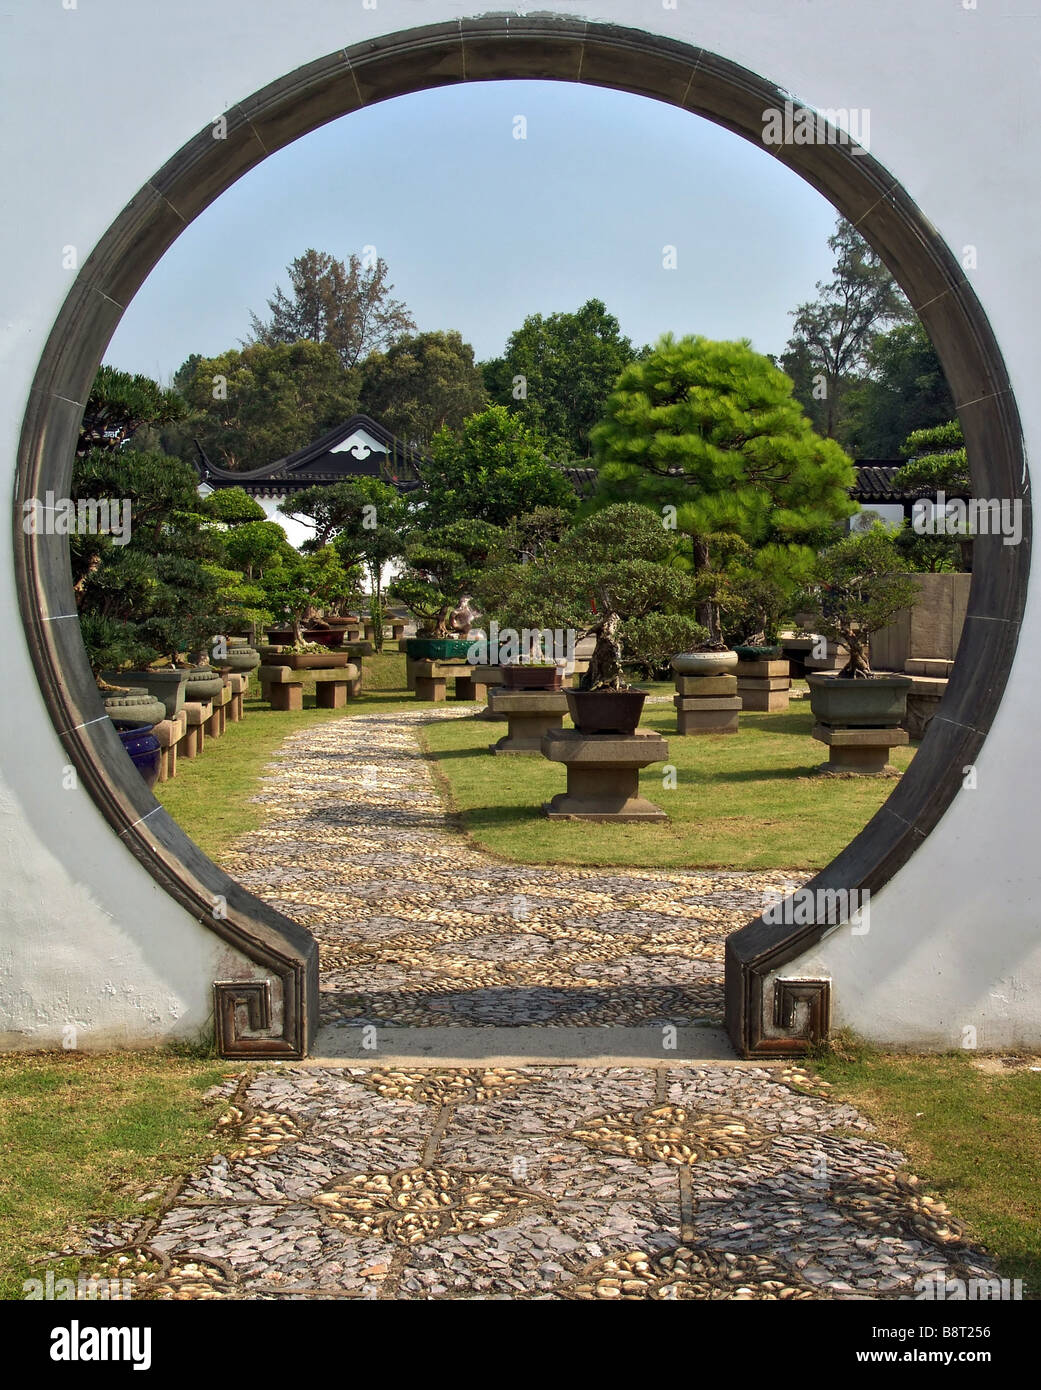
column 144, row 750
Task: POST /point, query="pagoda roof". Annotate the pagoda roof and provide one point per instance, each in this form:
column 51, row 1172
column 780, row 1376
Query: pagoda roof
column 360, row 447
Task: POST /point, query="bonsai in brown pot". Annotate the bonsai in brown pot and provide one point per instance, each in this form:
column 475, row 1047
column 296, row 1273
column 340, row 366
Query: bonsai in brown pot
column 609, row 578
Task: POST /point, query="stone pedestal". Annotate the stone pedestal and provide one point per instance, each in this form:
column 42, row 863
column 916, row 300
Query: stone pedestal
column 862, row 751
column 764, row 686
column 706, row 704
column 531, row 714
column 239, row 687
column 603, row 774
column 196, row 714
column 923, row 700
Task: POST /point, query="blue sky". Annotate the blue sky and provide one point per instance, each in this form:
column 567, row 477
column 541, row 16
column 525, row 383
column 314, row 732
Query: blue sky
column 480, row 229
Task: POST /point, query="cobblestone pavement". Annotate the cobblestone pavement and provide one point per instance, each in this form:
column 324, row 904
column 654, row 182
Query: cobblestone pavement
column 417, row 928
column 701, row 1182
column 698, row 1181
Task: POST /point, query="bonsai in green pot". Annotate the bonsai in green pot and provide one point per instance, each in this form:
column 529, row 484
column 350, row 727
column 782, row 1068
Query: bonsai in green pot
column 861, row 586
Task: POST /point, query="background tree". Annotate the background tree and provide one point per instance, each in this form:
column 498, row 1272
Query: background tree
column 709, row 436
column 833, row 332
column 232, row 506
column 936, row 462
column 422, row 384
column 569, row 363
column 120, row 404
column 904, row 390
column 251, row 407
column 347, row 306
column 494, row 471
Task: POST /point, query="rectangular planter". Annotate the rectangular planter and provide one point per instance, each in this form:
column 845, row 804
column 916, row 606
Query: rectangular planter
column 876, row 703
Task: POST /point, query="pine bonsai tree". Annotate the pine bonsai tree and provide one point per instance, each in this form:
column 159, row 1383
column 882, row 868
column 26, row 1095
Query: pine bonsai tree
column 709, row 435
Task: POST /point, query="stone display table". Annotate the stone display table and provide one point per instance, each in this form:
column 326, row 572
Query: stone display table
column 169, row 733
column 218, row 720
column 706, row 704
column 863, row 751
column 491, row 678
column 603, row 774
column 530, row 715
column 432, row 679
column 764, row 685
column 197, row 714
column 284, row 689
column 239, row 689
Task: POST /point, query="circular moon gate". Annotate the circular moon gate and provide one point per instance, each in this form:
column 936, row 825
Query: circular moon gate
column 477, row 50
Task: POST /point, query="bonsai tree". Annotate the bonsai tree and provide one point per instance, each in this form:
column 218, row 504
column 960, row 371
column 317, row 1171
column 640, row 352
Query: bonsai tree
column 612, row 576
column 936, row 462
column 156, row 595
column 442, row 564
column 709, row 435
column 365, row 520
column 861, row 586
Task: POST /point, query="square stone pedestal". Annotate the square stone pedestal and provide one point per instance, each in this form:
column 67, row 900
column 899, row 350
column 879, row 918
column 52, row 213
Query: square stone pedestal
column 530, row 714
column 603, row 774
column 764, row 686
column 863, row 751
column 700, row 714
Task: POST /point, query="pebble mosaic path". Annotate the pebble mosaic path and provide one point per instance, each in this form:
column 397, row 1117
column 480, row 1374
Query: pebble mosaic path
column 555, row 1183
column 416, row 927
column 531, row 1182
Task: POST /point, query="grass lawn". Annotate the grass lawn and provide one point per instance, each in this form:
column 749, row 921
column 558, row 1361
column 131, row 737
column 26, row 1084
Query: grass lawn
column 742, row 801
column 210, row 796
column 86, row 1137
column 974, row 1135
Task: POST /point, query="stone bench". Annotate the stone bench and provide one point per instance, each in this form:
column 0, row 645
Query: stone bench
column 283, row 688
column 432, row 679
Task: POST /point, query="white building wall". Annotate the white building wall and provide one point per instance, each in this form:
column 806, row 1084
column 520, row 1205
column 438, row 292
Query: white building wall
column 86, row 934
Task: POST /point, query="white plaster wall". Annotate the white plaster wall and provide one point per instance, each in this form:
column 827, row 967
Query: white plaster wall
column 86, row 934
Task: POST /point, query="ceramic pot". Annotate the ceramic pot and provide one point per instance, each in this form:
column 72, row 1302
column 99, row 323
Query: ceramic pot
column 704, row 663
column 437, row 648
column 134, row 709
column 605, row 711
column 523, row 677
column 203, row 684
column 145, row 752
column 167, row 686
column 875, row 702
